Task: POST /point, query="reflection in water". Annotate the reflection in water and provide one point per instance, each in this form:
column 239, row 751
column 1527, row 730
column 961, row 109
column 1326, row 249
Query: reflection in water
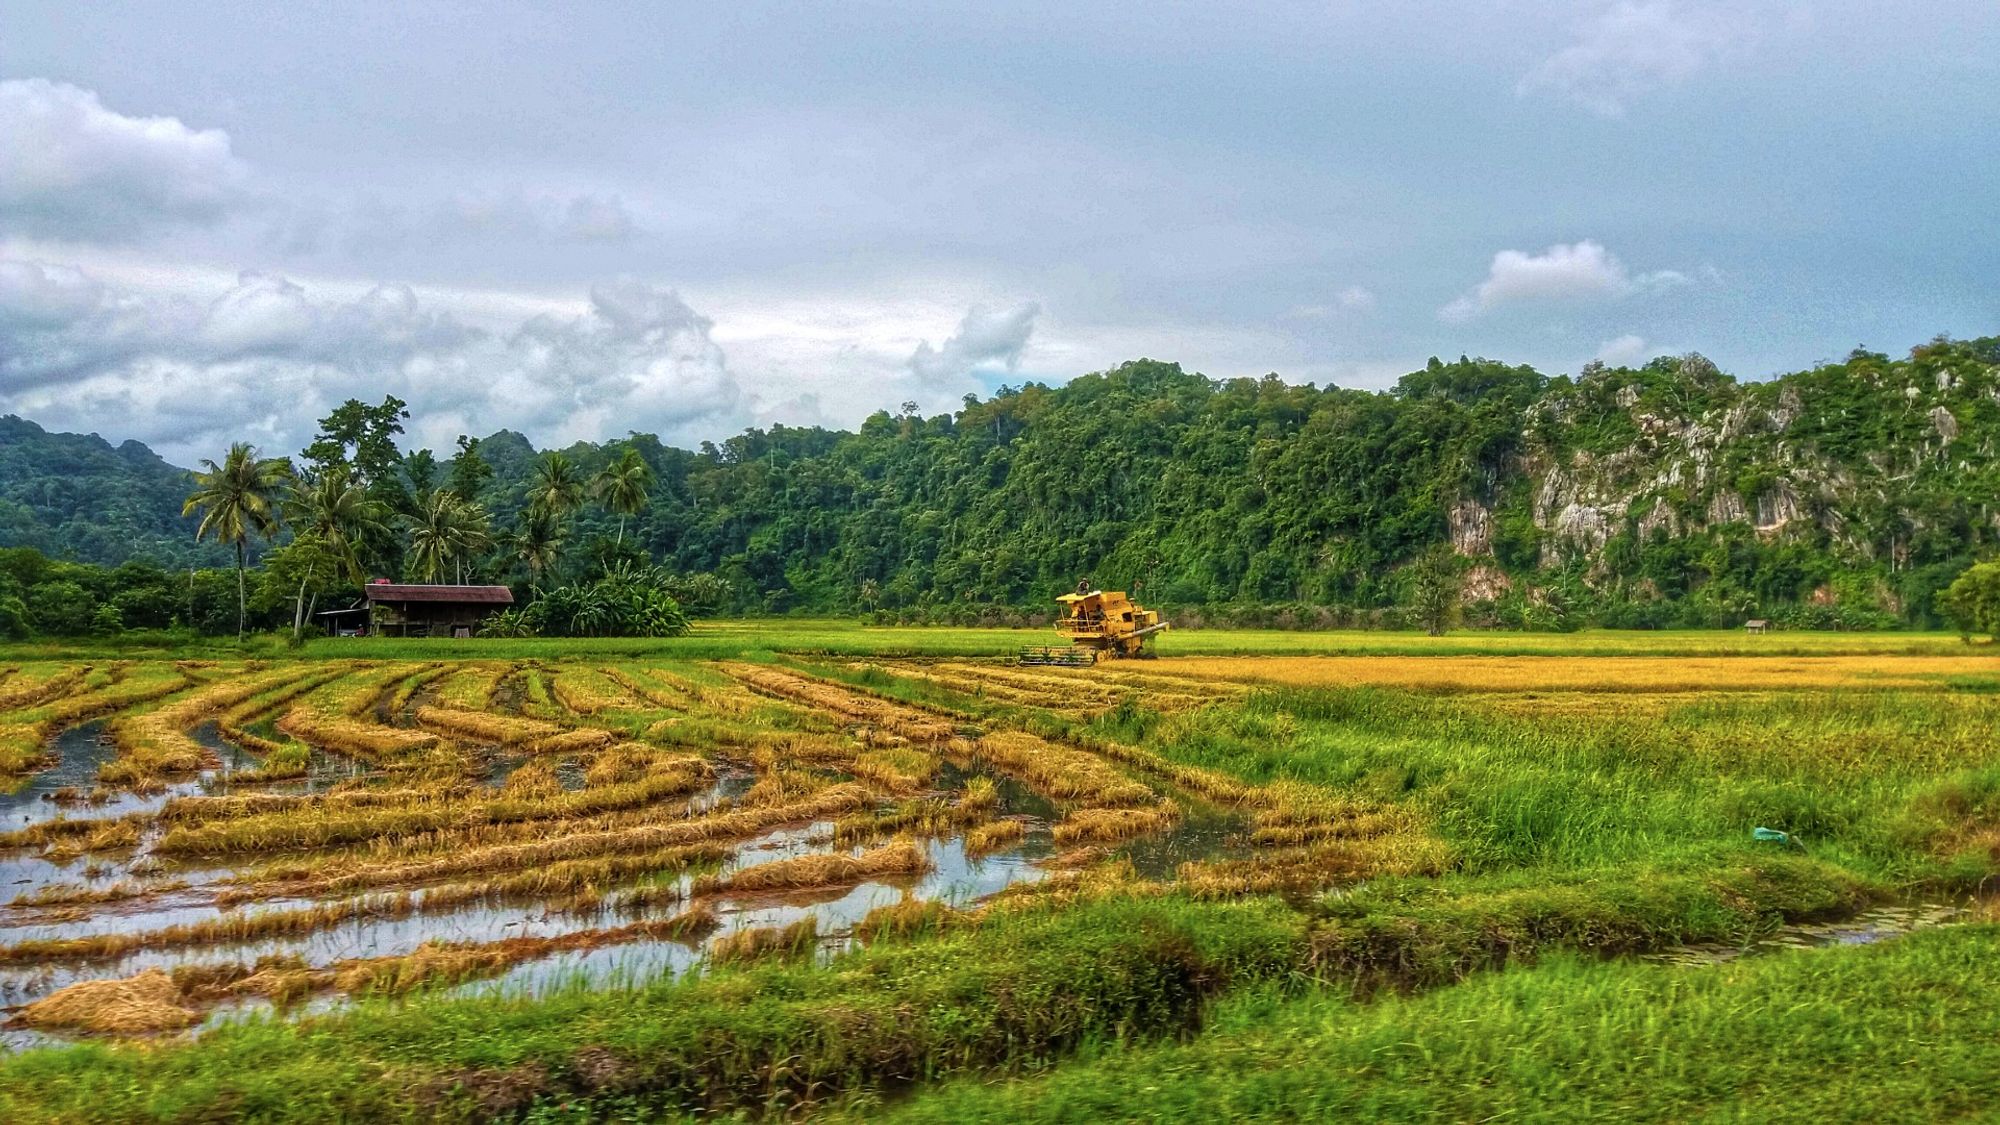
column 1205, row 831
column 953, row 877
column 1866, row 928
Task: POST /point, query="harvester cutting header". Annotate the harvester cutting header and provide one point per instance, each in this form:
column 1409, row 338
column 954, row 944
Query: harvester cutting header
column 1099, row 624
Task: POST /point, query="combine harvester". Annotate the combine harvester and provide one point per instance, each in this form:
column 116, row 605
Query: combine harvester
column 1099, row 624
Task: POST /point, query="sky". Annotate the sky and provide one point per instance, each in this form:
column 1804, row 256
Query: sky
column 218, row 221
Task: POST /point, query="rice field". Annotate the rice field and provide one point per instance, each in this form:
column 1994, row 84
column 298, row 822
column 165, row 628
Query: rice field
column 210, row 856
column 260, row 833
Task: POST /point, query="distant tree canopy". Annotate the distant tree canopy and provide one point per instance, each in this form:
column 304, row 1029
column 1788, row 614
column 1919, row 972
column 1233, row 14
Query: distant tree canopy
column 1669, row 494
column 1973, row 600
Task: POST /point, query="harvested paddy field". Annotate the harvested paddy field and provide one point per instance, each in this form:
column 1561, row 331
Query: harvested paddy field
column 261, row 834
column 512, row 881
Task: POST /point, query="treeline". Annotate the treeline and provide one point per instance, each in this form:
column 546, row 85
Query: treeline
column 352, row 505
column 1667, row 495
column 40, row 596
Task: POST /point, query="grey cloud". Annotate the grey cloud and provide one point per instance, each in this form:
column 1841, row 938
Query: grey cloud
column 72, row 168
column 36, row 295
column 984, row 338
column 266, row 357
column 369, row 224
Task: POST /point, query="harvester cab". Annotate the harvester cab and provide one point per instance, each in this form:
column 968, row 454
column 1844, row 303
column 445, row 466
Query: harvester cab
column 1099, row 624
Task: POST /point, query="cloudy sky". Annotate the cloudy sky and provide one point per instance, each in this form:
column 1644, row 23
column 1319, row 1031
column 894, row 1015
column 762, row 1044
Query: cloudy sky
column 217, row 220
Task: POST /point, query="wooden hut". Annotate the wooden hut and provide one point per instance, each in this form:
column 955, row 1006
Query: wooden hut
column 404, row 609
column 1756, row 625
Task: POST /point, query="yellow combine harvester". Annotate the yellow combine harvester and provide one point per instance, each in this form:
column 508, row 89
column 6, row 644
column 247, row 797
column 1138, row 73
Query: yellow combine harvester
column 1098, row 623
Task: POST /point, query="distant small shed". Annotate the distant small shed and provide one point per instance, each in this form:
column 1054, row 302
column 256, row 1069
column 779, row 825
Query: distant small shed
column 405, row 609
column 1756, row 625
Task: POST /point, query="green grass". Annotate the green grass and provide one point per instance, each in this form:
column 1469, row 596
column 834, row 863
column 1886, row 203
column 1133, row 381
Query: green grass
column 1901, row 1031
column 1876, row 780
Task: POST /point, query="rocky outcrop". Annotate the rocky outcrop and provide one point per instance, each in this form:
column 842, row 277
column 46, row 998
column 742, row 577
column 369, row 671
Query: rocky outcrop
column 1945, row 423
column 1471, row 525
column 1484, row 583
column 1660, row 518
column 1777, row 506
column 1583, row 527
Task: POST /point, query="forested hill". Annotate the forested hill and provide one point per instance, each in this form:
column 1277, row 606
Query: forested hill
column 1662, row 495
column 76, row 496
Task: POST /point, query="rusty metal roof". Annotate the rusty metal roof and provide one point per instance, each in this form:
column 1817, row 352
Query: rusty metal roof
column 414, row 592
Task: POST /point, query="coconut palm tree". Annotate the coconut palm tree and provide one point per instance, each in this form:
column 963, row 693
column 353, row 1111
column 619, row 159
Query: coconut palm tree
column 557, row 487
column 444, row 533
column 625, row 487
column 536, row 544
column 238, row 499
column 335, row 512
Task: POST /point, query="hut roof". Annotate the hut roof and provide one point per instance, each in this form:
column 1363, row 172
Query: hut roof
column 414, row 592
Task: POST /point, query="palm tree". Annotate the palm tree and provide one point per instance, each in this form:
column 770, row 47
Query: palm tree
column 558, row 486
column 537, row 543
column 236, row 501
column 624, row 486
column 334, row 511
column 444, row 532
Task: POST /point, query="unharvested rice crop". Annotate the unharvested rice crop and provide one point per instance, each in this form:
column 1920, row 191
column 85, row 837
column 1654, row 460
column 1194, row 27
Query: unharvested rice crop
column 1578, row 674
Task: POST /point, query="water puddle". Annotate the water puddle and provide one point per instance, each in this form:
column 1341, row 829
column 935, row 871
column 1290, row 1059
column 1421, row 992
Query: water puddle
column 1205, row 832
column 79, row 751
column 954, row 877
column 69, row 790
column 1016, row 799
column 1884, row 923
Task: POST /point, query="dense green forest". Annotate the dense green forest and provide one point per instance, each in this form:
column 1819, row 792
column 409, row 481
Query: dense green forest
column 1666, row 495
column 78, row 497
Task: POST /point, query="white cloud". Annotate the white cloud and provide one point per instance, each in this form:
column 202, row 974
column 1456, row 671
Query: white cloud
column 1564, row 272
column 985, row 337
column 70, row 167
column 267, row 356
column 1631, row 49
column 1625, row 351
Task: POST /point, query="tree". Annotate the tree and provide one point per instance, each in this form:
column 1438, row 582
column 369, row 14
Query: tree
column 1435, row 586
column 557, row 487
column 444, row 534
column 536, row 544
column 362, row 438
column 625, row 486
column 330, row 509
column 238, row 499
column 469, row 471
column 1972, row 601
column 420, row 473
